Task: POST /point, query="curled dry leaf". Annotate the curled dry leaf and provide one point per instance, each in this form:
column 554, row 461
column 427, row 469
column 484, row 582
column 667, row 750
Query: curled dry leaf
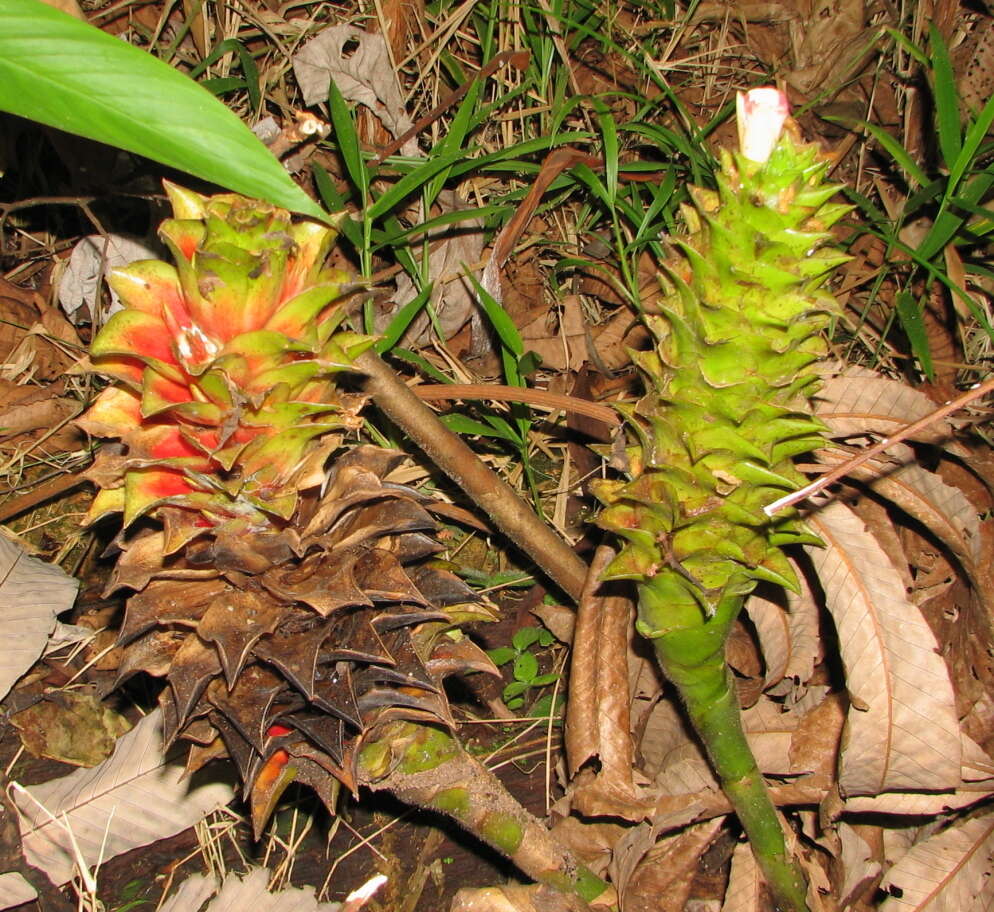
column 947, row 872
column 597, row 715
column 363, row 75
column 902, row 730
column 805, row 642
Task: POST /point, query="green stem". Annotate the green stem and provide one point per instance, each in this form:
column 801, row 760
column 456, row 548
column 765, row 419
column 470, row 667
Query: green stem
column 426, row 767
column 693, row 659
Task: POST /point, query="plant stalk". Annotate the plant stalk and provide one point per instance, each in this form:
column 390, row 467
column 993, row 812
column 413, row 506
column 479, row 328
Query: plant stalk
column 425, row 766
column 693, row 659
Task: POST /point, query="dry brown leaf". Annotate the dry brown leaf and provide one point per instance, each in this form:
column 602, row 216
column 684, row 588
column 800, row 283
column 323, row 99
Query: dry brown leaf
column 560, row 339
column 514, row 898
column 947, row 872
column 860, row 402
column 32, row 593
column 91, row 259
column 831, row 46
column 859, row 867
column 976, row 79
column 772, row 625
column 805, row 642
column 941, row 508
column 363, row 75
column 456, row 248
column 134, row 798
column 902, row 731
column 746, row 891
column 663, row 877
column 249, row 891
column 597, row 716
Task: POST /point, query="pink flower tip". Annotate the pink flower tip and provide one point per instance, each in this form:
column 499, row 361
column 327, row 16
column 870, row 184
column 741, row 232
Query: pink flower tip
column 761, row 115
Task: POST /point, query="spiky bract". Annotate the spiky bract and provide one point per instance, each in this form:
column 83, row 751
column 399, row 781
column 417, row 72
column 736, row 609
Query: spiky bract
column 290, row 608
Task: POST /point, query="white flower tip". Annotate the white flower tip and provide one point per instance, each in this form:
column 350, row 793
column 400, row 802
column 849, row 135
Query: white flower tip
column 761, row 115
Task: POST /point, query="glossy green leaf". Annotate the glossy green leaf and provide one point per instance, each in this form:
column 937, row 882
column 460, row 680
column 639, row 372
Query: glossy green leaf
column 64, row 73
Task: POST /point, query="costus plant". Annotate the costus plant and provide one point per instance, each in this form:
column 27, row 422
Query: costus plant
column 729, row 381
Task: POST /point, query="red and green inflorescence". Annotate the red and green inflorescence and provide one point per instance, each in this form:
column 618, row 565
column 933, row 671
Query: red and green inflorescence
column 225, row 362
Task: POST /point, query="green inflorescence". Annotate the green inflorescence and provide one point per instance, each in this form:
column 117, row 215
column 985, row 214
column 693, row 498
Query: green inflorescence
column 728, row 382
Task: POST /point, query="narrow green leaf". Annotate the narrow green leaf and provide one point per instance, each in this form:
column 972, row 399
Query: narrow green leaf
column 69, row 75
column 971, row 142
column 411, row 182
column 892, row 147
column 402, row 319
column 335, row 202
column 909, row 312
column 460, row 424
column 946, row 98
column 347, row 139
column 454, row 138
column 609, row 137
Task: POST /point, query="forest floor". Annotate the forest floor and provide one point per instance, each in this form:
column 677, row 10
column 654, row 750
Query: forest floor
column 644, row 91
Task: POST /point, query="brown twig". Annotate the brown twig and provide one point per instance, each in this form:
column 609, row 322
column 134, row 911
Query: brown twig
column 493, row 495
column 52, row 488
column 907, row 431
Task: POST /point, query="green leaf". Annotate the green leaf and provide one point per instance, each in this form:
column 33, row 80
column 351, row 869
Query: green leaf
column 891, row 145
column 347, row 139
column 909, row 311
column 410, row 182
column 400, row 322
column 971, row 142
column 946, row 97
column 525, row 667
column 609, row 135
column 525, row 637
column 460, row 424
column 515, row 689
column 69, row 75
column 545, row 680
column 501, row 655
column 545, row 638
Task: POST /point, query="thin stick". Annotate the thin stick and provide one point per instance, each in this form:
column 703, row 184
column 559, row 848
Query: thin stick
column 493, row 495
column 907, row 431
